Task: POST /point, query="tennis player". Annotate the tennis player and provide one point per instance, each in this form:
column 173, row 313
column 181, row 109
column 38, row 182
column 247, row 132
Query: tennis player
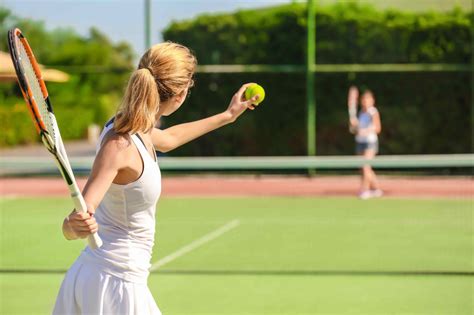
column 366, row 126
column 125, row 184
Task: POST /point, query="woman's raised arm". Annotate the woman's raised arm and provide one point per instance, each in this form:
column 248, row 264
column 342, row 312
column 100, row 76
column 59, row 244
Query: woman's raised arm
column 173, row 137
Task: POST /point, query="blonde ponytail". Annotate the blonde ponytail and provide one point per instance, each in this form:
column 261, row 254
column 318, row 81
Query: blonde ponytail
column 139, row 104
column 164, row 71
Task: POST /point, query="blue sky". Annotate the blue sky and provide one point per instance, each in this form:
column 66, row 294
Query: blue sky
column 122, row 19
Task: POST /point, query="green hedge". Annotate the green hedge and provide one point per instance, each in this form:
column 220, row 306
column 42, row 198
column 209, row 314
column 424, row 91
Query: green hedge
column 88, row 97
column 421, row 112
column 18, row 127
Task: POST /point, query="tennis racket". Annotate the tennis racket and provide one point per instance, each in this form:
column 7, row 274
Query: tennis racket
column 36, row 96
column 352, row 107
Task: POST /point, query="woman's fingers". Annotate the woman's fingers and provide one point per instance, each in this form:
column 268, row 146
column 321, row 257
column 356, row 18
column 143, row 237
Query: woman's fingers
column 250, row 103
column 89, row 221
column 83, row 230
column 94, row 229
column 79, row 215
column 240, row 93
column 87, row 230
column 83, row 224
column 82, row 233
column 244, row 87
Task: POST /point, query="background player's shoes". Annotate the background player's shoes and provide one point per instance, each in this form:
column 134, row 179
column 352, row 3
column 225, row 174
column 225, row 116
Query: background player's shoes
column 376, row 193
column 366, row 194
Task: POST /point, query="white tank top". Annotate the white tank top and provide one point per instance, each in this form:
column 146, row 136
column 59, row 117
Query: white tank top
column 366, row 121
column 126, row 218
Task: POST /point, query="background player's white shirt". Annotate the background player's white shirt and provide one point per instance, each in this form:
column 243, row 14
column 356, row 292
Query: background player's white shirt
column 366, row 121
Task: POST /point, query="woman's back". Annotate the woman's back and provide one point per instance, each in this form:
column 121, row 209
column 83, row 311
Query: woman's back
column 126, row 216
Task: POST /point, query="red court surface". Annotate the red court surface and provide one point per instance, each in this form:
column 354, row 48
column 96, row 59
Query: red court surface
column 226, row 186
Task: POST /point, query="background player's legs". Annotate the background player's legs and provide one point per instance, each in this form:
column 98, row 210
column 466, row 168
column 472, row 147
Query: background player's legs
column 369, row 184
column 365, row 179
column 373, row 184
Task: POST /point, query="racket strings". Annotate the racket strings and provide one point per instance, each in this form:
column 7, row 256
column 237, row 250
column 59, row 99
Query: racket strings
column 33, row 83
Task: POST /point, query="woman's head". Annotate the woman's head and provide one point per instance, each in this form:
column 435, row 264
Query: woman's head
column 158, row 87
column 367, row 99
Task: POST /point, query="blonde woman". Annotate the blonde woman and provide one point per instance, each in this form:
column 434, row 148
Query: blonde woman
column 366, row 126
column 125, row 184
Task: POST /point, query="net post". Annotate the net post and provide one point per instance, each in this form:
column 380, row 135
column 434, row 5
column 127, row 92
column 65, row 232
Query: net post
column 310, row 67
column 147, row 19
column 472, row 81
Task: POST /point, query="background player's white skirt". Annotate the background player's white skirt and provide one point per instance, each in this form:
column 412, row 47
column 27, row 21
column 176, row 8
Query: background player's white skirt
column 86, row 289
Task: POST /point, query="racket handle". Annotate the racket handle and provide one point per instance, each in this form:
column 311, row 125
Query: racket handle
column 80, row 204
column 352, row 109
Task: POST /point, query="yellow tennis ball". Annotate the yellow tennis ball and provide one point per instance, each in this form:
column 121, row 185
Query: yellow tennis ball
column 253, row 90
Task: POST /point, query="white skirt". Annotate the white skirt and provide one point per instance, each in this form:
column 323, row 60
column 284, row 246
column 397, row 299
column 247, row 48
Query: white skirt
column 86, row 289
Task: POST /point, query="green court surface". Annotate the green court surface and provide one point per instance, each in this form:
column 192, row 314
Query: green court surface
column 277, row 256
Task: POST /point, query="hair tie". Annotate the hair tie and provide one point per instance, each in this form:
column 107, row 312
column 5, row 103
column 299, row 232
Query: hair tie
column 150, row 71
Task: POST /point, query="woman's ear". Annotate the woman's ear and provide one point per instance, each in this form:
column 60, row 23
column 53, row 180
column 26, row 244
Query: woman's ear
column 181, row 96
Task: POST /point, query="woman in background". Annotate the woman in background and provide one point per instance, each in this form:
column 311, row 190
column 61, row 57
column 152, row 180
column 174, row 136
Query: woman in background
column 366, row 126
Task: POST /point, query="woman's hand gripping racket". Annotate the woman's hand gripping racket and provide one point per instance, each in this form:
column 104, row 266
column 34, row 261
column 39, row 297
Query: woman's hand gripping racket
column 36, row 96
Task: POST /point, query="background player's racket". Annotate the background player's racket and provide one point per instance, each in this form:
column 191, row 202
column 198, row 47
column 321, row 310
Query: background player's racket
column 36, row 96
column 352, row 99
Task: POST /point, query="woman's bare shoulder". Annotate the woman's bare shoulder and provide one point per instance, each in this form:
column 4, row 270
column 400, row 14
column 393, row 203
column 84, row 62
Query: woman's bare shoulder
column 115, row 144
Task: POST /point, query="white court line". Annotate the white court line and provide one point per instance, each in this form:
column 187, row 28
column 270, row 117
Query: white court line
column 195, row 244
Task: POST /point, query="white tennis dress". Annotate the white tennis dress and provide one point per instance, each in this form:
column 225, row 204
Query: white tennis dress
column 113, row 278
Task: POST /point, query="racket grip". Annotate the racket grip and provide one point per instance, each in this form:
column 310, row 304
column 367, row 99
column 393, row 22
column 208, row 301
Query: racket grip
column 80, row 205
column 352, row 110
